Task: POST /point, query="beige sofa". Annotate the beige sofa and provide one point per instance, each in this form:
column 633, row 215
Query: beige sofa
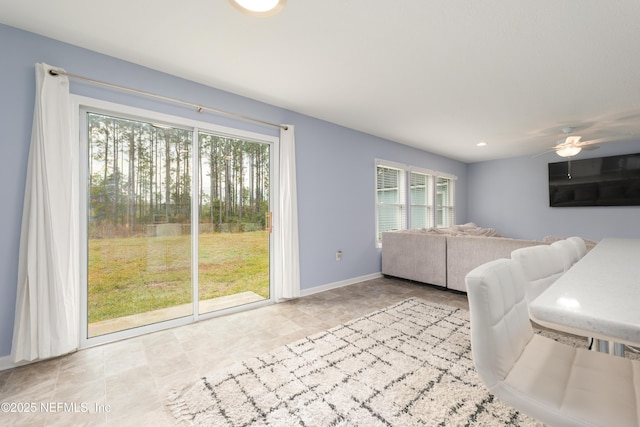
column 441, row 259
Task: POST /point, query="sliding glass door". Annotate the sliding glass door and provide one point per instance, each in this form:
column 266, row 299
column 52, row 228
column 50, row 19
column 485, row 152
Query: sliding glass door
column 177, row 223
column 234, row 235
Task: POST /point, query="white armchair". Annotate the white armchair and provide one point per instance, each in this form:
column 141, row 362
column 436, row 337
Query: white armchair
column 571, row 250
column 541, row 265
column 552, row 382
column 579, row 244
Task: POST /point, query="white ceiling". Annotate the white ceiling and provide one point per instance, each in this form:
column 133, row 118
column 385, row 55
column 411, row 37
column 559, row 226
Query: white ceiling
column 438, row 75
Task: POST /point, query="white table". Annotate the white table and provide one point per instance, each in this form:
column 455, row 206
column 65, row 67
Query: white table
column 597, row 297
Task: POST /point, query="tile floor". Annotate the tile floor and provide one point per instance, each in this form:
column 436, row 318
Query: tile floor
column 125, row 383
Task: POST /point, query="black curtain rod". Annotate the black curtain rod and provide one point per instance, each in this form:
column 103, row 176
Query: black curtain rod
column 198, row 108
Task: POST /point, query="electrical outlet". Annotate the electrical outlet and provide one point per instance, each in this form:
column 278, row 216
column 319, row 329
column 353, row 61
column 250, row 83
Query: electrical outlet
column 339, row 256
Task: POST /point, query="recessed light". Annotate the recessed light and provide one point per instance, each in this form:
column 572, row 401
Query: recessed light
column 258, row 7
column 481, row 144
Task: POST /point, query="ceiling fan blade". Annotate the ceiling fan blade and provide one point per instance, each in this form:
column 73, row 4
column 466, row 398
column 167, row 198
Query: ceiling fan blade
column 609, row 140
column 551, row 150
column 594, row 141
column 572, row 140
column 563, row 143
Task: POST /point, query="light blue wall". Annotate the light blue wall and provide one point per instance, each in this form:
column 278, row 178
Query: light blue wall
column 512, row 196
column 336, row 192
column 335, row 165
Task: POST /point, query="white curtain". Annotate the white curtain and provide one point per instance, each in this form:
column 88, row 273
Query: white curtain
column 46, row 319
column 288, row 267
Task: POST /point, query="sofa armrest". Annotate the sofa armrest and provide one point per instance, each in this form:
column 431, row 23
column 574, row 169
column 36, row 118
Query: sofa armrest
column 415, row 256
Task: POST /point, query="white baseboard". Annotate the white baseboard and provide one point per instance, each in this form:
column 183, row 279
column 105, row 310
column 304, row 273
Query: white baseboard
column 6, row 363
column 342, row 283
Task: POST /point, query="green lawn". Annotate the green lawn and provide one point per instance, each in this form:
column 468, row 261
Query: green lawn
column 139, row 274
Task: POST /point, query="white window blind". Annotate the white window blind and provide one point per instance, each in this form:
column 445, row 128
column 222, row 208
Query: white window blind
column 445, row 202
column 391, row 209
column 412, row 197
column 421, row 199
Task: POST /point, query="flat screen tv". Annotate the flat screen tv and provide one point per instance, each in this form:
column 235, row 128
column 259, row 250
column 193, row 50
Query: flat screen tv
column 602, row 181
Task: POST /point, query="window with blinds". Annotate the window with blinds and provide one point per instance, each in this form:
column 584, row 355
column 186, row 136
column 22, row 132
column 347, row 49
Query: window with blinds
column 421, row 199
column 390, row 199
column 411, row 197
column 445, row 205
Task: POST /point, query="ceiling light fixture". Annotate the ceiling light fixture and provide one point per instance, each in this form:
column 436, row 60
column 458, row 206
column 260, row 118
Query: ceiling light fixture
column 568, row 151
column 260, row 8
column 568, row 147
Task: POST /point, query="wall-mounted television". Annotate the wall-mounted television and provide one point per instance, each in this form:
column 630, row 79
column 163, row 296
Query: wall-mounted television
column 602, row 181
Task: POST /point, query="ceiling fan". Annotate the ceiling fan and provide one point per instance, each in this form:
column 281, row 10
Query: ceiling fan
column 572, row 144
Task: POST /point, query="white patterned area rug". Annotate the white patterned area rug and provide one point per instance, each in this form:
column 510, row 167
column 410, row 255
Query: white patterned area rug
column 406, row 365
